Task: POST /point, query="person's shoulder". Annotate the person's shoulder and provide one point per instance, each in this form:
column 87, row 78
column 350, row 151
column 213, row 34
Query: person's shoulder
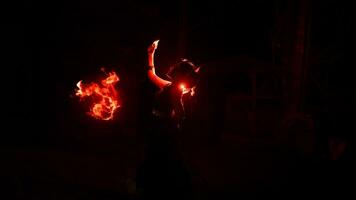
column 167, row 86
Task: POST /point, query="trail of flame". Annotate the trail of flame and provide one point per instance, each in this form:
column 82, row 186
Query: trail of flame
column 104, row 96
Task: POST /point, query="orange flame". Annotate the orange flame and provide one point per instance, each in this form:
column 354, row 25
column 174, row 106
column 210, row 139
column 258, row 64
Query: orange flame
column 104, row 96
column 183, row 88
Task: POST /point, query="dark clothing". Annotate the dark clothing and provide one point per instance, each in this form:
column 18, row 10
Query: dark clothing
column 163, row 106
column 162, row 174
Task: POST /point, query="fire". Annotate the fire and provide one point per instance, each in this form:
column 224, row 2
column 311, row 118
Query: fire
column 104, row 96
column 184, row 88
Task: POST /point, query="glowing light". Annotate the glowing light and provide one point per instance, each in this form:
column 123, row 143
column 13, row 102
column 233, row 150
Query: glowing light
column 183, row 88
column 103, row 97
column 155, row 43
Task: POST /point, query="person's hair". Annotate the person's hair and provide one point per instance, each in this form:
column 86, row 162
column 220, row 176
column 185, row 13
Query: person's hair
column 183, row 70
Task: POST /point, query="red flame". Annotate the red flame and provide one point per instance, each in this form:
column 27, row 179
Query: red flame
column 104, row 96
column 184, row 88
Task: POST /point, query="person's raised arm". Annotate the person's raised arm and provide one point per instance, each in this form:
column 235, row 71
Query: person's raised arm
column 159, row 82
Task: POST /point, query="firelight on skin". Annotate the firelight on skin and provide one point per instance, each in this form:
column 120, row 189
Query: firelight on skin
column 103, row 97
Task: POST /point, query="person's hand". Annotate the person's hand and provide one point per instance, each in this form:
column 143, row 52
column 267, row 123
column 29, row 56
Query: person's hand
column 153, row 47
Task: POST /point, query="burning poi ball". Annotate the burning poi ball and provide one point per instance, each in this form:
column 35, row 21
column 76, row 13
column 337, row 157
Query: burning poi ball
column 103, row 96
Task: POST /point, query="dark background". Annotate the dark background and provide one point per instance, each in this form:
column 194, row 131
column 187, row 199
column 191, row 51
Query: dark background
column 276, row 111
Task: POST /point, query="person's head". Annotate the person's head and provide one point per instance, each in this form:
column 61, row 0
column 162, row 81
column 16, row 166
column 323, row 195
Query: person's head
column 185, row 73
